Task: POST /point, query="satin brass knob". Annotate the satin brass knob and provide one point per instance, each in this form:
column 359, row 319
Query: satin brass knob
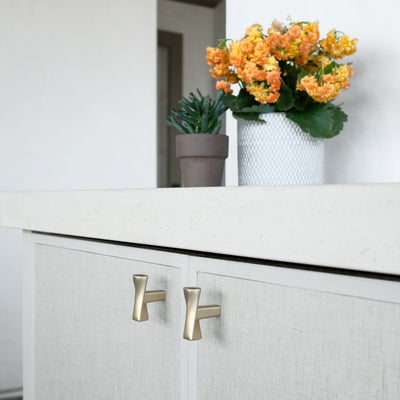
column 142, row 297
column 194, row 313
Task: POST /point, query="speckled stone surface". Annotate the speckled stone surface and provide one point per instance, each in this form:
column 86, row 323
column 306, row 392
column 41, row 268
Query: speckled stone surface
column 344, row 226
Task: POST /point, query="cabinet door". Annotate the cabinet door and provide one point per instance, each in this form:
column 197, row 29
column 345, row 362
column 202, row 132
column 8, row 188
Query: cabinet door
column 86, row 344
column 293, row 335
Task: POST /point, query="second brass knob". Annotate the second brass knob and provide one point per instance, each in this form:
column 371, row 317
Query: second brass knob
column 194, row 313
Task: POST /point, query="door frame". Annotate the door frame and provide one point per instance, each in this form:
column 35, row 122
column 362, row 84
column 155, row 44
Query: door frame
column 174, row 43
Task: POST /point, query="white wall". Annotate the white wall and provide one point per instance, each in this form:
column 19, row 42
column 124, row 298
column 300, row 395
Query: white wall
column 77, row 96
column 77, row 110
column 367, row 150
column 196, row 23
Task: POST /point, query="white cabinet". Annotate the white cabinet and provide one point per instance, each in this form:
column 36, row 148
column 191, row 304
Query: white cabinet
column 292, row 334
column 86, row 345
column 284, row 333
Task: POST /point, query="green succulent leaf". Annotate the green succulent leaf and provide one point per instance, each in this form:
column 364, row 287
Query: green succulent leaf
column 216, row 128
column 198, row 114
column 171, row 121
column 205, row 116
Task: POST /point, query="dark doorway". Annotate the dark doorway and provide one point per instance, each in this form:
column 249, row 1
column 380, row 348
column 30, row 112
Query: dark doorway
column 169, row 93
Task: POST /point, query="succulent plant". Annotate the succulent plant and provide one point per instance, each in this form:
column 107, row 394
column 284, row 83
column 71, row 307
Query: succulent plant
column 198, row 114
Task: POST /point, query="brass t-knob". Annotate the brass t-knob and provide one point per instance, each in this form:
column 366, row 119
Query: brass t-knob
column 194, row 313
column 142, row 297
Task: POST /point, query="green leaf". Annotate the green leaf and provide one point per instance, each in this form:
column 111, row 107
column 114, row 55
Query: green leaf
column 320, row 120
column 259, row 108
column 303, row 101
column 170, row 121
column 301, row 75
column 190, row 128
column 198, row 114
column 184, row 117
column 189, row 108
column 229, row 100
column 339, row 118
column 217, row 127
column 330, row 67
column 286, row 99
column 204, row 118
column 242, row 100
column 300, row 105
column 245, row 99
column 247, row 116
column 218, row 108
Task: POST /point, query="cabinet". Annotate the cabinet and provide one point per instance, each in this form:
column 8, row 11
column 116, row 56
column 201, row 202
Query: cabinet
column 291, row 334
column 284, row 333
column 86, row 345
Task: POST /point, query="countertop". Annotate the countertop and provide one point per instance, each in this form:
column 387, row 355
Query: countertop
column 354, row 227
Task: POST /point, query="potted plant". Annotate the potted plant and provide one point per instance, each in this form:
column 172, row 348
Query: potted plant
column 288, row 78
column 200, row 148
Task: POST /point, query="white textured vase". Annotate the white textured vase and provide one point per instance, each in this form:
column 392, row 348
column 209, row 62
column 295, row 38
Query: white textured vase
column 278, row 152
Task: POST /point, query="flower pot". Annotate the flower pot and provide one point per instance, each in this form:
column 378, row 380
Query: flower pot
column 202, row 158
column 278, row 152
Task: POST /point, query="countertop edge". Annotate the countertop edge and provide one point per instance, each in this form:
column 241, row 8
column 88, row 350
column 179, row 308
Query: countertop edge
column 355, row 227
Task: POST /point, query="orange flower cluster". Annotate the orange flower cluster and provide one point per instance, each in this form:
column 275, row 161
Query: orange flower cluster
column 338, row 46
column 328, row 86
column 294, row 44
column 250, row 62
column 257, row 62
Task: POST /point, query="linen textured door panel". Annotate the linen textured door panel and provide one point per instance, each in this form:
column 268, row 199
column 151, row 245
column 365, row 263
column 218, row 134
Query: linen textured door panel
column 287, row 343
column 86, row 344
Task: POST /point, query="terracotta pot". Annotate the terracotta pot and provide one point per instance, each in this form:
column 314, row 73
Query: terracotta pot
column 202, row 158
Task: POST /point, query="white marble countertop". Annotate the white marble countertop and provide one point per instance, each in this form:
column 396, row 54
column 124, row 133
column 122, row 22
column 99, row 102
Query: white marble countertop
column 344, row 226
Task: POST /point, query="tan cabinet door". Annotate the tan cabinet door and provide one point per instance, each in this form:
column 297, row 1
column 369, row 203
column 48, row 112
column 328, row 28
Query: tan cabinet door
column 86, row 344
column 281, row 342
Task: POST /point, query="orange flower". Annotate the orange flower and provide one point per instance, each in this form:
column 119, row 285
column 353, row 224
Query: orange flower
column 338, row 46
column 249, row 71
column 216, row 56
column 273, row 39
column 305, row 46
column 274, row 79
column 259, row 93
column 273, row 97
column 254, row 32
column 321, row 93
column 246, row 46
column 233, row 79
column 261, row 52
column 225, row 86
column 261, row 75
column 219, row 59
column 294, row 32
column 262, row 94
column 236, row 56
column 260, row 63
column 296, row 43
column 271, row 64
column 330, row 85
